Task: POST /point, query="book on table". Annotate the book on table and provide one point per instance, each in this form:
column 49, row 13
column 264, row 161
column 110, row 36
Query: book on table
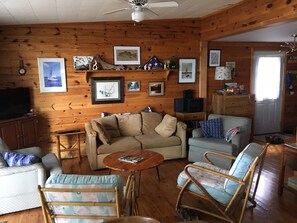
column 131, row 159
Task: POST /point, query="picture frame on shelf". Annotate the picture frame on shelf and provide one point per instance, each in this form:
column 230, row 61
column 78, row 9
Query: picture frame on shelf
column 156, row 88
column 214, row 58
column 107, row 90
column 187, row 71
column 52, row 75
column 133, row 86
column 82, row 62
column 126, row 55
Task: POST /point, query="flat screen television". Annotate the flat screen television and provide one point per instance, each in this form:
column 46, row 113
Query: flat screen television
column 14, row 102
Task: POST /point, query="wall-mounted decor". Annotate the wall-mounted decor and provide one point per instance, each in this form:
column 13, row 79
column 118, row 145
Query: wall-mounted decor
column 133, row 86
column 107, row 90
column 156, row 88
column 231, row 65
column 82, row 62
column 126, row 55
column 187, row 71
column 52, row 75
column 214, row 58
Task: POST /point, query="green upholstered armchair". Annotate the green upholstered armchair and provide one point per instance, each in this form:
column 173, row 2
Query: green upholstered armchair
column 198, row 144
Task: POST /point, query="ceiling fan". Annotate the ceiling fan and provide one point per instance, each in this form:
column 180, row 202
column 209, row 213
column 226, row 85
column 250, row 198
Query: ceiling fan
column 140, row 6
column 292, row 46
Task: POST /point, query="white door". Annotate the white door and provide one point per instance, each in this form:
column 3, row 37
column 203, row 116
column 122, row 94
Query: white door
column 267, row 87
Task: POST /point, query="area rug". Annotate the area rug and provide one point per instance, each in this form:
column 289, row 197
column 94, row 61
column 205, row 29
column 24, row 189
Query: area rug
column 262, row 138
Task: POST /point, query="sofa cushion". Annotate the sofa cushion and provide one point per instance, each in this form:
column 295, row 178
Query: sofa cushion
column 130, row 125
column 119, row 144
column 157, row 141
column 212, row 128
column 103, row 135
column 150, row 120
column 110, row 124
column 167, row 126
column 219, row 145
column 18, row 159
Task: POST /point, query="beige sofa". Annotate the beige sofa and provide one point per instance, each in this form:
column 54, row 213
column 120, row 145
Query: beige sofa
column 134, row 132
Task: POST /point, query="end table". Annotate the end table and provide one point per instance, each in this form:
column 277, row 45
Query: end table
column 73, row 147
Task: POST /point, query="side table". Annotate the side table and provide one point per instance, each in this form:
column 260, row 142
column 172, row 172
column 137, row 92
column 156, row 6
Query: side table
column 73, row 147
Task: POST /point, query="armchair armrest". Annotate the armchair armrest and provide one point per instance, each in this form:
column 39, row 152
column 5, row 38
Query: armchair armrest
column 197, row 133
column 91, row 145
column 181, row 131
column 217, row 154
column 240, row 140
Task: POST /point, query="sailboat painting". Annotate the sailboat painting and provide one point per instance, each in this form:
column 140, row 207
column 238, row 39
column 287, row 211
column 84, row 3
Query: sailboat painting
column 187, row 71
column 52, row 75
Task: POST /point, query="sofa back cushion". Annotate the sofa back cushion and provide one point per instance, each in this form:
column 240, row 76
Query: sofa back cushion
column 150, row 120
column 130, row 125
column 167, row 126
column 110, row 124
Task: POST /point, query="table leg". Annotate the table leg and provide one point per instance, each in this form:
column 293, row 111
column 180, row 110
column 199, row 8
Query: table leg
column 58, row 147
column 139, row 177
column 78, row 146
column 157, row 168
column 130, row 196
column 281, row 173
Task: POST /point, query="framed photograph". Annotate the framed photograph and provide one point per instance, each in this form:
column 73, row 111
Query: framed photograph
column 107, row 90
column 187, row 71
column 82, row 62
column 156, row 88
column 133, row 86
column 231, row 65
column 52, row 75
column 126, row 55
column 214, row 58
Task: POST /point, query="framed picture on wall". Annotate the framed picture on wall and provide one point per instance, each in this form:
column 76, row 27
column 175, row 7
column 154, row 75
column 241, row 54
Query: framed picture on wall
column 214, row 58
column 133, row 86
column 52, row 75
column 187, row 71
column 156, row 88
column 126, row 55
column 107, row 90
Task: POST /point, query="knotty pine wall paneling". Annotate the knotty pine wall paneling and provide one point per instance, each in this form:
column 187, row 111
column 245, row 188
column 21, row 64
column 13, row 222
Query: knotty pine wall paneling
column 71, row 109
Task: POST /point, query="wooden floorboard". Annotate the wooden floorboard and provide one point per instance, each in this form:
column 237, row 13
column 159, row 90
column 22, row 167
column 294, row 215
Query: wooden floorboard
column 157, row 199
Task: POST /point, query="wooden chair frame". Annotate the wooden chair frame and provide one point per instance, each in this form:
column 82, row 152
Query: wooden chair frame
column 49, row 216
column 225, row 212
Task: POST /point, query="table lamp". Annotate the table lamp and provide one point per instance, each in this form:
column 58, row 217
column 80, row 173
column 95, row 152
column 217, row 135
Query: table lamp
column 222, row 73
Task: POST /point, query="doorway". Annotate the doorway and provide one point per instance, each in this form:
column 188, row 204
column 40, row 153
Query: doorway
column 267, row 87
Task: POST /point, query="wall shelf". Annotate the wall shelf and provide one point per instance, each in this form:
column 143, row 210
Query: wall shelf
column 93, row 73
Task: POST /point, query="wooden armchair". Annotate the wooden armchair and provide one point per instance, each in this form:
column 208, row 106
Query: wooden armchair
column 223, row 189
column 84, row 198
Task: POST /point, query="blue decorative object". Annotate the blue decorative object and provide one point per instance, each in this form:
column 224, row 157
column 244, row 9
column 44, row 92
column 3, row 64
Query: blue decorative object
column 153, row 64
column 212, row 128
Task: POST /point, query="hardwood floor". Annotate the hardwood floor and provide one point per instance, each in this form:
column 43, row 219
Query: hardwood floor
column 157, row 199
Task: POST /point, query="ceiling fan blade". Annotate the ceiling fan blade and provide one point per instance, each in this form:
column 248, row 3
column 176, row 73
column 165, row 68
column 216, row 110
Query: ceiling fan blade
column 162, row 4
column 151, row 11
column 114, row 11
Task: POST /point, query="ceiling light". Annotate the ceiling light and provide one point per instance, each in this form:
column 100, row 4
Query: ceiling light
column 292, row 46
column 137, row 16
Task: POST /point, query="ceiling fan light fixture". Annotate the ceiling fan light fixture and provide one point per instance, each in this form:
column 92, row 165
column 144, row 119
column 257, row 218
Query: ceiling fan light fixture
column 292, row 46
column 137, row 16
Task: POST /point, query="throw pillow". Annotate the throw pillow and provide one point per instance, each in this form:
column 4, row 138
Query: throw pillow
column 103, row 135
column 231, row 132
column 167, row 127
column 18, row 159
column 2, row 162
column 212, row 128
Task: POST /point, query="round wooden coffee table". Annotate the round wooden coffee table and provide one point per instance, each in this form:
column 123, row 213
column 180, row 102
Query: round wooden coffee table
column 150, row 160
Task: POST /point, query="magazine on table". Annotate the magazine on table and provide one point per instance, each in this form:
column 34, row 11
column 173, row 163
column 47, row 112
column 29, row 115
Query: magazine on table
column 131, row 159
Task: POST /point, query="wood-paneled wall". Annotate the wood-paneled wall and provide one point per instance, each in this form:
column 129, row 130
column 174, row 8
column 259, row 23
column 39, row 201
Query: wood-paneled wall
column 73, row 108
